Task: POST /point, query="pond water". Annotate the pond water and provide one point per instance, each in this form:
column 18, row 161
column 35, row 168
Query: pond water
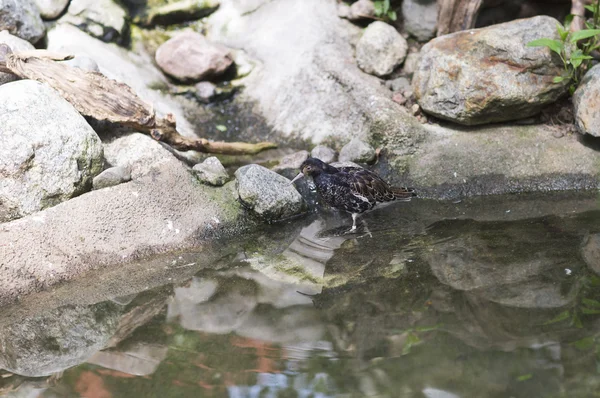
column 490, row 297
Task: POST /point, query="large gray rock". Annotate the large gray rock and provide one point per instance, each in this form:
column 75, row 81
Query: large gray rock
column 16, row 44
column 381, row 49
column 50, row 153
column 489, row 75
column 51, row 9
column 189, row 57
column 420, row 18
column 267, row 193
column 103, row 19
column 62, row 338
column 315, row 90
column 22, row 19
column 585, row 101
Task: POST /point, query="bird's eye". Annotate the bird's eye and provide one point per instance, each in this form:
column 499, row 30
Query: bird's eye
column 308, row 168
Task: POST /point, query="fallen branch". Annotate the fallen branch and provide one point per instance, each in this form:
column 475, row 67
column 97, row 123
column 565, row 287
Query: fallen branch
column 457, row 15
column 578, row 12
column 101, row 98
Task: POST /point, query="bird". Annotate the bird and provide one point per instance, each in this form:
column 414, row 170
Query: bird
column 352, row 189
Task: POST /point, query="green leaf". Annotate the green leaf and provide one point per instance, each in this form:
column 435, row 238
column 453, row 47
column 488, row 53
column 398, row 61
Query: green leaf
column 591, row 7
column 590, row 311
column 559, row 318
column 221, row 128
column 558, row 79
column 562, row 32
column 378, row 8
column 584, row 344
column 392, row 15
column 411, row 340
column 591, row 302
column 386, row 6
column 584, row 34
column 428, row 328
column 568, row 20
column 525, row 377
column 554, row 45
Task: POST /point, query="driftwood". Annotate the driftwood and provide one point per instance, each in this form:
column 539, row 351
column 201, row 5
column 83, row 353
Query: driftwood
column 456, row 15
column 101, row 98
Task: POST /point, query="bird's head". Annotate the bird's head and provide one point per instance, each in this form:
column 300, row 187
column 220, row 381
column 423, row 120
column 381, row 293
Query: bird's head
column 313, row 167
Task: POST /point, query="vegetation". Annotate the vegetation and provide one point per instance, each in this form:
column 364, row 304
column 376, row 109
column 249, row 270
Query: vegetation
column 574, row 48
column 384, row 11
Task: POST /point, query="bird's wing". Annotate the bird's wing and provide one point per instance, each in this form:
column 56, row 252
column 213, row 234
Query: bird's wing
column 368, row 185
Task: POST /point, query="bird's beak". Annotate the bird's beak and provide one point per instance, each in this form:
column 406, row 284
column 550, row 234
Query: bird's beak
column 299, row 176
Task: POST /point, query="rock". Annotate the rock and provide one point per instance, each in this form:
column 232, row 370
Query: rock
column 50, row 153
column 587, row 109
column 83, row 62
column 381, row 49
column 211, row 172
column 189, row 57
column 410, row 63
column 50, row 343
column 401, row 84
column 136, row 70
column 323, row 153
column 102, row 19
column 420, row 18
column 267, row 193
column 343, row 10
column 244, row 65
column 51, row 9
column 489, row 75
column 22, row 19
column 357, row 151
column 111, row 177
column 362, row 9
column 138, row 152
column 205, row 91
column 292, row 162
column 16, row 44
column 399, row 98
column 590, row 250
column 316, row 91
column 178, row 11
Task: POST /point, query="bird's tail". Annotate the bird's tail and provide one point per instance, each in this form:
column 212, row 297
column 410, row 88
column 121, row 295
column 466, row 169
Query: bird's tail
column 402, row 193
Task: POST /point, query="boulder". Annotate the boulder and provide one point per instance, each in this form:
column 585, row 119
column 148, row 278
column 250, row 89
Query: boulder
column 178, row 11
column 267, row 194
column 189, row 57
column 357, row 151
column 111, row 177
column 16, row 44
column 585, row 102
column 380, row 49
column 324, row 153
column 590, row 250
column 102, row 19
column 51, row 9
column 211, row 172
column 307, row 86
column 22, row 19
column 489, row 75
column 50, row 153
column 420, row 18
column 361, row 9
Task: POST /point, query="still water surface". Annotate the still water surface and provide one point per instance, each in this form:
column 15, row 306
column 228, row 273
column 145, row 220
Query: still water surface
column 493, row 297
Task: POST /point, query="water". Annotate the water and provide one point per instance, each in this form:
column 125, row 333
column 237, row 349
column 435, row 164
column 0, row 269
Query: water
column 492, row 297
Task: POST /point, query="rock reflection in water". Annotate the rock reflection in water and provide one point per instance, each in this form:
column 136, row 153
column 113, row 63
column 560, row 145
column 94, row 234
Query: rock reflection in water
column 453, row 308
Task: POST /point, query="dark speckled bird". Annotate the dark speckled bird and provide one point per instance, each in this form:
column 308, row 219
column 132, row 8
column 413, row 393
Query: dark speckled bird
column 352, row 189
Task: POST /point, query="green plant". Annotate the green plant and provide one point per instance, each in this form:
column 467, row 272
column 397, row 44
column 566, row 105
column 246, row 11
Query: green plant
column 574, row 49
column 383, row 10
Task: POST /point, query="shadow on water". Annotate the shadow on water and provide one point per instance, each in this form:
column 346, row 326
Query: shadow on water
column 493, row 297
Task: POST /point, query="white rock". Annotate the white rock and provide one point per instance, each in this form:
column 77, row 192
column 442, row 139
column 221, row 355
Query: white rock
column 212, row 172
column 51, row 9
column 50, row 153
column 16, row 44
column 381, row 49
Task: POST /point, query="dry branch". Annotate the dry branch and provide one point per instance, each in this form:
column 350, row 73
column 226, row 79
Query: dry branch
column 457, row 15
column 578, row 12
column 97, row 96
